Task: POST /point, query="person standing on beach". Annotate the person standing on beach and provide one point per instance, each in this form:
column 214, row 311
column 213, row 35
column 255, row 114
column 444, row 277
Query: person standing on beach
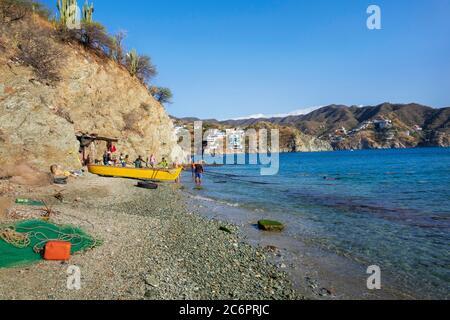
column 193, row 170
column 199, row 174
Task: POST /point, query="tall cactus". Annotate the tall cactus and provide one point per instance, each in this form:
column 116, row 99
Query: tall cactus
column 133, row 62
column 87, row 12
column 67, row 12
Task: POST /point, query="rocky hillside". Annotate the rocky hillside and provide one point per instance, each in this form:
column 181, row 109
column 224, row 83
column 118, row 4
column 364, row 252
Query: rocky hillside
column 291, row 138
column 342, row 127
column 88, row 93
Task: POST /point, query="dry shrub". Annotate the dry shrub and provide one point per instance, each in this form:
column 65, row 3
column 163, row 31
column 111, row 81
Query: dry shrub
column 13, row 10
column 37, row 50
column 131, row 123
column 64, row 114
column 147, row 107
column 117, row 49
column 146, row 69
column 131, row 120
column 91, row 35
column 25, row 175
column 16, row 10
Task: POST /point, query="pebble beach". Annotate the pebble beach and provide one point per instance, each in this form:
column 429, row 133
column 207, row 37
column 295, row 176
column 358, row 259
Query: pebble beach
column 155, row 246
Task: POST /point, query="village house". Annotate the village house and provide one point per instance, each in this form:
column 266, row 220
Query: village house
column 341, row 132
column 235, row 139
column 215, row 140
column 382, row 124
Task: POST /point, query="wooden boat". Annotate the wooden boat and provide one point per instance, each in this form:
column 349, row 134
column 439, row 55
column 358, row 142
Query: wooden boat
column 133, row 173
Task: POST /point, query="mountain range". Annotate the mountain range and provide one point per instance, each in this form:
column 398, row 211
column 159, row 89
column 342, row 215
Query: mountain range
column 353, row 127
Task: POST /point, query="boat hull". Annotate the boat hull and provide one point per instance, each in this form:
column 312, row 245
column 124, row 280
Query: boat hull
column 132, row 173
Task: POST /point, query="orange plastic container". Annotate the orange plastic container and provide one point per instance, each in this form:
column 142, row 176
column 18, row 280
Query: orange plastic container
column 57, row 250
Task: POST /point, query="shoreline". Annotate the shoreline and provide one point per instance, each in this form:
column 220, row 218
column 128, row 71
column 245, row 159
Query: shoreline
column 167, row 244
column 316, row 273
column 154, row 247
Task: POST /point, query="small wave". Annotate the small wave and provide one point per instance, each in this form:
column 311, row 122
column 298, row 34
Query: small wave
column 229, row 204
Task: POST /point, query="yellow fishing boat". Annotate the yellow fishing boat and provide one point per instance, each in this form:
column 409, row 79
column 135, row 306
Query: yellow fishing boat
column 132, row 173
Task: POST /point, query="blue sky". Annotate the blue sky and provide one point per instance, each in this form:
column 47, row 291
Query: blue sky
column 229, row 58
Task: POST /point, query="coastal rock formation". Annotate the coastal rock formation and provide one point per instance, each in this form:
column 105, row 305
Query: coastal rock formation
column 94, row 95
column 30, row 132
column 306, row 143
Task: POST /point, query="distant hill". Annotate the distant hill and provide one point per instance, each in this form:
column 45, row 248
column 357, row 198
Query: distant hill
column 409, row 125
column 336, row 116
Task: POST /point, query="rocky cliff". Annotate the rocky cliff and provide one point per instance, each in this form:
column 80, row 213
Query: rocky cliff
column 293, row 140
column 94, row 95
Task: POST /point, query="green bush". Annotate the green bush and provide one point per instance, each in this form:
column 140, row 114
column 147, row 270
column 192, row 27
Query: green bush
column 91, row 35
column 94, row 36
column 140, row 66
column 162, row 95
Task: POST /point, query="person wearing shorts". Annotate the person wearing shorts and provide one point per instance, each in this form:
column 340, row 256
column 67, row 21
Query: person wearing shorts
column 199, row 174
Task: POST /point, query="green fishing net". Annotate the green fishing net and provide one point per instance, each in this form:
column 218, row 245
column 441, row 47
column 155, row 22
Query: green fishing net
column 33, row 235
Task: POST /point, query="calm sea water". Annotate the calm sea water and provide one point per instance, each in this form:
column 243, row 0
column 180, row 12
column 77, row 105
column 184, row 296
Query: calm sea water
column 385, row 207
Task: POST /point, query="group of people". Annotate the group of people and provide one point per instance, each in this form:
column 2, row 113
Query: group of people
column 124, row 160
column 150, row 163
column 139, row 163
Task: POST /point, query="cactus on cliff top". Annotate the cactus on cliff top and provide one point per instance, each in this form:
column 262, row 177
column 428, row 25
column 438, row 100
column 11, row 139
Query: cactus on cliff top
column 87, row 12
column 67, row 12
column 133, row 62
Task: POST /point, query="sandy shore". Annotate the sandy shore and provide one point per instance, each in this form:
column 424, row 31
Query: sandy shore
column 154, row 247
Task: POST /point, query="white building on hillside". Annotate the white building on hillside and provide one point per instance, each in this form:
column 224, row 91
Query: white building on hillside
column 179, row 129
column 235, row 139
column 216, row 141
column 383, row 124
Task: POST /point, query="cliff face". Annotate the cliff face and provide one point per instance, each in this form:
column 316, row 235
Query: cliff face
column 38, row 122
column 312, row 144
column 292, row 140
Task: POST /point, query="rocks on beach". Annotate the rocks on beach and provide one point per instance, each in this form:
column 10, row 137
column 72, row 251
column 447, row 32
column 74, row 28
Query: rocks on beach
column 270, row 225
column 154, row 247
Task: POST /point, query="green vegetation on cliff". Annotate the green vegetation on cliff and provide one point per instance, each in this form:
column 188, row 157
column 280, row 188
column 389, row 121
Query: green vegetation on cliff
column 66, row 28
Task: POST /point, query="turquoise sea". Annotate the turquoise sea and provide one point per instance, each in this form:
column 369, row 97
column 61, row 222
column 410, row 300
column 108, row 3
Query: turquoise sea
column 390, row 208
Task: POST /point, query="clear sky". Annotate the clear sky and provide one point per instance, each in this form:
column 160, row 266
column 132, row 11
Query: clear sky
column 229, row 58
